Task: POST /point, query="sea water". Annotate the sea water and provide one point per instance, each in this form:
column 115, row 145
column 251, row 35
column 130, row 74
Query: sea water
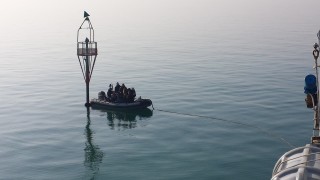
column 226, row 80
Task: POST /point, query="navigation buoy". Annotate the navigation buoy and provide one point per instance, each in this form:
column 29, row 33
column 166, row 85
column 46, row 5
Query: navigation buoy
column 87, row 51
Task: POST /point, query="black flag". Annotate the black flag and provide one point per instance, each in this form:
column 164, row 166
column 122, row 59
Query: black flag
column 86, row 14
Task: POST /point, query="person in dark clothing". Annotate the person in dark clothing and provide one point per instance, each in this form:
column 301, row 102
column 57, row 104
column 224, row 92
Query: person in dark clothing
column 130, row 97
column 133, row 92
column 109, row 93
column 117, row 87
column 122, row 87
column 125, row 91
column 113, row 97
column 121, row 95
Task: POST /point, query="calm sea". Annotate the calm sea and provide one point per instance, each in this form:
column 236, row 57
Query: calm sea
column 237, row 68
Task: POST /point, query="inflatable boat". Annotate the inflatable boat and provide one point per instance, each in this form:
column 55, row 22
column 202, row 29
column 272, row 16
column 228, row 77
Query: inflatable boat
column 105, row 104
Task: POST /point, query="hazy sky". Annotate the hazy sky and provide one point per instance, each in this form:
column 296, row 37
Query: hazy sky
column 54, row 11
column 21, row 18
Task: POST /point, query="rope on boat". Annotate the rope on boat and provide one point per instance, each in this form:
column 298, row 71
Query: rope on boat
column 271, row 134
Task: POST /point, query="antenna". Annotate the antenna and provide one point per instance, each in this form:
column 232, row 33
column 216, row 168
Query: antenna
column 87, row 51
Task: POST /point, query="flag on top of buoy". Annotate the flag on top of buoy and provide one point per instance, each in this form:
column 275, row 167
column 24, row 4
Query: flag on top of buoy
column 86, row 14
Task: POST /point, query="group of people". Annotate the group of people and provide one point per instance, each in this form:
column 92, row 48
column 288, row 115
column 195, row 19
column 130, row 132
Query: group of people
column 118, row 94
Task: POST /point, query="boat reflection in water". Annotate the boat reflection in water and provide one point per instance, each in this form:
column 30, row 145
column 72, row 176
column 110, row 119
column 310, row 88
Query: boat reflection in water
column 116, row 120
column 92, row 153
column 126, row 119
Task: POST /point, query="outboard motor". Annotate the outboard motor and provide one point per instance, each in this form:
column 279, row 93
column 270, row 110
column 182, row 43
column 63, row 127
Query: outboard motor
column 310, row 89
column 102, row 95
